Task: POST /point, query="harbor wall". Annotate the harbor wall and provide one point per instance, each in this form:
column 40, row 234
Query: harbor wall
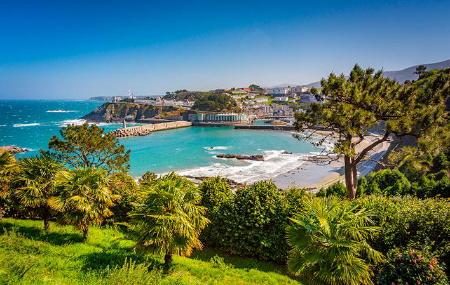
column 149, row 128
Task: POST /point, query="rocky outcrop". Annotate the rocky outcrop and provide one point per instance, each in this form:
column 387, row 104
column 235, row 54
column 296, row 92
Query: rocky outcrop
column 13, row 149
column 117, row 112
column 257, row 157
column 149, row 128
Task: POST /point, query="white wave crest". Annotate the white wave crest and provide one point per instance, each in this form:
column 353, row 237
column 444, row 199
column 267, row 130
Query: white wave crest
column 75, row 122
column 219, row 147
column 61, row 111
column 26, row 125
column 275, row 162
column 2, row 125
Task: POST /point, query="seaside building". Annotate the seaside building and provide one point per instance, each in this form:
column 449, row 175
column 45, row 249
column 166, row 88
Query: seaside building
column 217, row 118
column 281, row 99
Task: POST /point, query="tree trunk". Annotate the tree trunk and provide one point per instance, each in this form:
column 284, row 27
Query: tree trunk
column 46, row 218
column 167, row 261
column 350, row 182
column 85, row 233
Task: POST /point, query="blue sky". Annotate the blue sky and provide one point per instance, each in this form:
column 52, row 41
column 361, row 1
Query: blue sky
column 77, row 49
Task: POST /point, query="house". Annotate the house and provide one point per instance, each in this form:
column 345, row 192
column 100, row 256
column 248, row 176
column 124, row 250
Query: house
column 278, row 91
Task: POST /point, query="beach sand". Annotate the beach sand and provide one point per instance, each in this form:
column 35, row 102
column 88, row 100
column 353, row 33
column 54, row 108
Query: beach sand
column 313, row 176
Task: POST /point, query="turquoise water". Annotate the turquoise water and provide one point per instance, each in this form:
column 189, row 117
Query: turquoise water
column 191, row 150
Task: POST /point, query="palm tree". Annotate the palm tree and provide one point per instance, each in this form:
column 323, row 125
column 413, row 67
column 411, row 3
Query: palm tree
column 329, row 243
column 170, row 219
column 36, row 185
column 84, row 197
column 8, row 169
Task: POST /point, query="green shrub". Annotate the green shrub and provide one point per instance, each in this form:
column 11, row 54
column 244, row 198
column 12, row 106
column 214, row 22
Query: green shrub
column 253, row 223
column 410, row 222
column 337, row 189
column 411, row 266
column 132, row 274
column 385, row 182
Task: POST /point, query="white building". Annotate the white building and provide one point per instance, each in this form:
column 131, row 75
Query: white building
column 278, row 91
column 212, row 117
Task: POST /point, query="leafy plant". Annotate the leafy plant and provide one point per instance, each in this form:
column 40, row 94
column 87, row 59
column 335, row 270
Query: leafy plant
column 89, row 146
column 411, row 266
column 84, row 198
column 170, row 219
column 329, row 241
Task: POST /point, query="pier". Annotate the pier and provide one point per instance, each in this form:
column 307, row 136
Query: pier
column 149, row 128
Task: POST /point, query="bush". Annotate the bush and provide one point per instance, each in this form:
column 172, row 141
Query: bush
column 410, row 222
column 385, row 182
column 337, row 189
column 252, row 224
column 411, row 266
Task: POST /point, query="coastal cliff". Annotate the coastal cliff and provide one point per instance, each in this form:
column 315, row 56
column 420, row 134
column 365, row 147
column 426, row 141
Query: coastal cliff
column 117, row 112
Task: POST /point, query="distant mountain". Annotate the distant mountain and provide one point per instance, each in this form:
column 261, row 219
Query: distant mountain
column 408, row 73
column 404, row 74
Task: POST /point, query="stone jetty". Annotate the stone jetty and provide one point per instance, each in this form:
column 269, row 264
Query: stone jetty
column 149, row 128
column 257, row 157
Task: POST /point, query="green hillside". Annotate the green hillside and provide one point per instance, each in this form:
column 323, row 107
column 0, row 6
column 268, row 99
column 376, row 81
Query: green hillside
column 30, row 256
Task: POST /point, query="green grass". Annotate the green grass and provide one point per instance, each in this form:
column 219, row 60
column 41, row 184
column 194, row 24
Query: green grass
column 30, row 256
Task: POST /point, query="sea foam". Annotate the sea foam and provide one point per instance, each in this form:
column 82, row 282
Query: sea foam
column 275, row 162
column 61, row 111
column 26, row 125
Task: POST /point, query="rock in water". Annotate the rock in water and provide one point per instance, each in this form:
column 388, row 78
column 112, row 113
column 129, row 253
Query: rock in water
column 257, row 157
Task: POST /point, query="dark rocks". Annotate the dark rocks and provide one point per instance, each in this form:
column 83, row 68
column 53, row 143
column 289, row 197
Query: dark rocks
column 256, row 157
column 13, row 149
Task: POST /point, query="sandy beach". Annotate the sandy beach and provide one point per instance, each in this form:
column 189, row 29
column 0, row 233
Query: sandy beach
column 313, row 175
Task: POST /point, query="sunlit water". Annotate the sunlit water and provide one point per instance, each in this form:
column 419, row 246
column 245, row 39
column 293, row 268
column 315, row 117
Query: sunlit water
column 190, row 151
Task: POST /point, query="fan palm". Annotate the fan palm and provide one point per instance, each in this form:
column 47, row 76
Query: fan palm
column 84, row 197
column 8, row 169
column 170, row 219
column 36, row 185
column 329, row 243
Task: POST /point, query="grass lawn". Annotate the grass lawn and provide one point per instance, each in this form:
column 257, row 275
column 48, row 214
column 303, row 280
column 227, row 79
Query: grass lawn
column 30, row 256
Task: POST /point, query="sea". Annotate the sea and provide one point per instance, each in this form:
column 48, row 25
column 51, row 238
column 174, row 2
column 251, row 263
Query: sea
column 188, row 151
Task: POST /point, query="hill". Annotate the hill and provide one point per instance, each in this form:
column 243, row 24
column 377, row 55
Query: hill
column 404, row 74
column 30, row 256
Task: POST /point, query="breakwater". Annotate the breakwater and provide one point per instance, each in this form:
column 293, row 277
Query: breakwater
column 149, row 128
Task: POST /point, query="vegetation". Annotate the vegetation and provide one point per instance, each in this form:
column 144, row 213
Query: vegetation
column 84, row 197
column 28, row 255
column 170, row 219
column 367, row 100
column 89, row 146
column 398, row 212
column 216, row 103
column 329, row 241
column 35, row 186
column 411, row 266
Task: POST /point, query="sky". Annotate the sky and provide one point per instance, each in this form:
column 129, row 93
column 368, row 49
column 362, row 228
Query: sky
column 78, row 49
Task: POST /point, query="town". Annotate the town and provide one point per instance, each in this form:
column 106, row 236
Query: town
column 247, row 105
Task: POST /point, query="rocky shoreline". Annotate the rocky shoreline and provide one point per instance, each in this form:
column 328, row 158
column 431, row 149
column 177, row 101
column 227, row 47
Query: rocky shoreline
column 13, row 149
column 149, row 128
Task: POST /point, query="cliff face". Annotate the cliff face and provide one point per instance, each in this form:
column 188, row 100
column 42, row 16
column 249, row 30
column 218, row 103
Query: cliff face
column 117, row 112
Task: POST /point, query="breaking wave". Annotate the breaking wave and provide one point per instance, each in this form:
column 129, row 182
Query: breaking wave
column 26, row 125
column 275, row 162
column 61, row 111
